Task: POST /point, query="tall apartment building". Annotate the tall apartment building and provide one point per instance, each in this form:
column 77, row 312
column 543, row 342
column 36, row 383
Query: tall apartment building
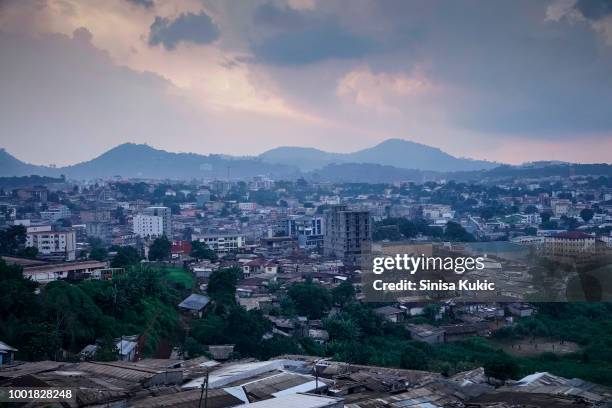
column 148, row 222
column 309, row 230
column 52, row 244
column 348, row 235
column 148, row 225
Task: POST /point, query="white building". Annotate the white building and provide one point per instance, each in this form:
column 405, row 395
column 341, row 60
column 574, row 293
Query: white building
column 61, row 244
column 165, row 213
column 55, row 213
column 148, row 225
column 222, row 243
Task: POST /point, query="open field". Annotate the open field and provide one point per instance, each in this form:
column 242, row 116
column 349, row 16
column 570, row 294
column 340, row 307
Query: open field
column 529, row 347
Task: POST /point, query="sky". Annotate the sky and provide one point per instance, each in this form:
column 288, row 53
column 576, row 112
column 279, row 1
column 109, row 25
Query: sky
column 510, row 81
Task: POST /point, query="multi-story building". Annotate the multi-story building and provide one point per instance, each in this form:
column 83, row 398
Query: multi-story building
column 148, row 225
column 166, row 215
column 52, row 244
column 153, row 222
column 55, row 213
column 348, row 235
column 222, row 243
column 99, row 230
column 309, row 230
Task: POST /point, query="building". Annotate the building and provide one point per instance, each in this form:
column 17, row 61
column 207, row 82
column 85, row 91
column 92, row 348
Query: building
column 148, row 225
column 348, row 235
column 99, row 230
column 32, row 194
column 45, row 272
column 222, row 243
column 166, row 218
column 55, row 213
column 309, row 230
column 194, row 304
column 52, row 244
column 7, row 353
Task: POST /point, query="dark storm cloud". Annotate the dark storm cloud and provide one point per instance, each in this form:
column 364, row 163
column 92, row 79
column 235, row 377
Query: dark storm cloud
column 594, row 9
column 144, row 3
column 511, row 71
column 188, row 27
column 304, row 37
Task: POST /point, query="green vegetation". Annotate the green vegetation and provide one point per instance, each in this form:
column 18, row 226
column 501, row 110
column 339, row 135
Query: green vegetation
column 160, row 249
column 125, row 257
column 184, row 279
column 68, row 316
column 200, row 250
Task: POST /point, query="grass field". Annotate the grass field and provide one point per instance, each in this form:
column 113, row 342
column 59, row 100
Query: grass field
column 180, row 276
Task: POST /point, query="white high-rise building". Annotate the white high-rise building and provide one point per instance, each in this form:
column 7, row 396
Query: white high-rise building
column 166, row 214
column 148, row 225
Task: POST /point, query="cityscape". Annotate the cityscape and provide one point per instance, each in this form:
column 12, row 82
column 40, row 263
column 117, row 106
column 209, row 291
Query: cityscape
column 306, row 204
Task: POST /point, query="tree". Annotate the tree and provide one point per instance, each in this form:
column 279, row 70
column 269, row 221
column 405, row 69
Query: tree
column 532, row 231
column 342, row 328
column 98, row 253
column 545, row 216
column 310, row 299
column 455, row 232
column 501, row 367
column 160, row 249
column 12, row 239
column 222, row 285
column 587, row 214
column 343, row 293
column 29, row 252
column 126, row 256
column 413, row 358
column 200, row 250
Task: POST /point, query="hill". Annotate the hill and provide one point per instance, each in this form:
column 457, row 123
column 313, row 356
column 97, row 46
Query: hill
column 399, row 153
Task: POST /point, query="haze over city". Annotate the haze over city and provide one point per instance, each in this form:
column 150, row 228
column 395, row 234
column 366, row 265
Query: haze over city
column 508, row 82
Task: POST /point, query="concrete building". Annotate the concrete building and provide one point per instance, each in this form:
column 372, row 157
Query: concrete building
column 52, row 244
column 148, row 225
column 44, row 272
column 222, row 243
column 348, row 235
column 99, row 230
column 55, row 213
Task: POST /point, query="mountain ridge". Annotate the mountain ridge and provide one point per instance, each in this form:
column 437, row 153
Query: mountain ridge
column 401, row 153
column 131, row 160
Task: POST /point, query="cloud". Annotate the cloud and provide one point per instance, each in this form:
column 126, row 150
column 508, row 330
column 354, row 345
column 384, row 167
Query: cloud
column 594, row 9
column 385, row 92
column 82, row 35
column 187, row 27
column 144, row 3
column 303, row 37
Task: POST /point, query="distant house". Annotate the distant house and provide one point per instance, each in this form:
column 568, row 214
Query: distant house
column 127, row 348
column 426, row 333
column 521, row 309
column 390, row 313
column 180, row 249
column 319, row 335
column 7, row 354
column 221, row 352
column 194, row 304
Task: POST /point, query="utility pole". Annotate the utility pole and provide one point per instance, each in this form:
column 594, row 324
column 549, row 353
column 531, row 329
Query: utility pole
column 204, row 393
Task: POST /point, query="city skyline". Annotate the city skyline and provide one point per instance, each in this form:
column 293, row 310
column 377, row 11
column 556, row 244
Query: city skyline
column 508, row 82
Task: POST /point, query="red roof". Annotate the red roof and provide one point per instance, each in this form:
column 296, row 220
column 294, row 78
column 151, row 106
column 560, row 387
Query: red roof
column 181, row 247
column 573, row 235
